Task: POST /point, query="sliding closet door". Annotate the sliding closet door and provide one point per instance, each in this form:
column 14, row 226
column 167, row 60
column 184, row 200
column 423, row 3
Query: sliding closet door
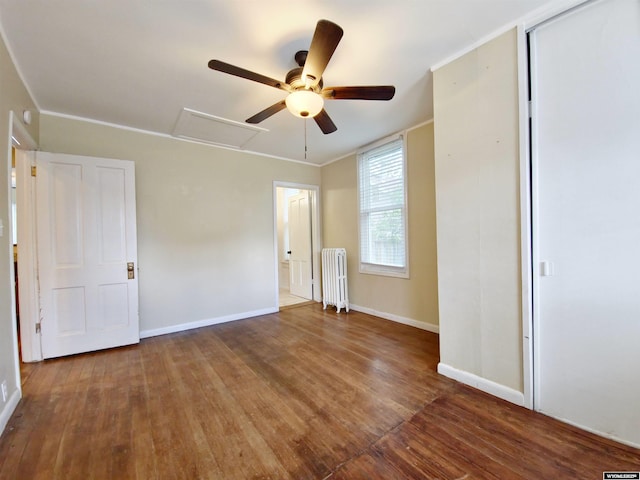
column 586, row 172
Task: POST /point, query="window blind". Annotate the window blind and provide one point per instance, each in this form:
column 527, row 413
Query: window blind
column 382, row 203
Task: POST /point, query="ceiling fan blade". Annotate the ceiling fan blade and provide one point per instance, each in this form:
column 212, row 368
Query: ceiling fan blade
column 325, row 123
column 324, row 43
column 267, row 112
column 374, row 92
column 242, row 73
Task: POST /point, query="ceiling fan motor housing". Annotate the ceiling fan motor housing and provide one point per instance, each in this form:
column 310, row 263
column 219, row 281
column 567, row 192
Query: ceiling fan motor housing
column 294, row 78
column 301, row 57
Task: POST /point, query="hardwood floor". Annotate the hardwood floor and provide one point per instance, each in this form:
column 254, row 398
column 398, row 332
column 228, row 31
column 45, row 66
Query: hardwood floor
column 302, row 394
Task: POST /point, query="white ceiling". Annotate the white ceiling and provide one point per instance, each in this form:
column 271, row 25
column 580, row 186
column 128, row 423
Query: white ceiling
column 139, row 63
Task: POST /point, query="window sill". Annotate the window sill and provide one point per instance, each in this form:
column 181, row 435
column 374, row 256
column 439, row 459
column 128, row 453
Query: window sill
column 383, row 271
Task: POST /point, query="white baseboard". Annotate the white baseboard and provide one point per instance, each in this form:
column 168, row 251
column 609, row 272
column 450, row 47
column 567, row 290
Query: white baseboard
column 493, row 388
column 610, row 436
column 8, row 409
column 205, row 323
column 429, row 327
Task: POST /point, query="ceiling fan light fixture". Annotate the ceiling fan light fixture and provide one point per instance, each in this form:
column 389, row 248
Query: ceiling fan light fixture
column 304, row 85
column 304, row 103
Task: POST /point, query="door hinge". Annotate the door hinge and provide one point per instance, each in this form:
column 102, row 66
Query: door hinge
column 38, row 327
column 33, row 171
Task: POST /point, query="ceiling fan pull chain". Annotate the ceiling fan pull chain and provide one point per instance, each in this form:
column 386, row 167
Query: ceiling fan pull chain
column 305, row 139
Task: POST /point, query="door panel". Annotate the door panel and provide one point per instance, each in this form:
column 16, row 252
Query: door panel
column 86, row 236
column 300, row 282
column 111, row 215
column 68, row 310
column 587, row 305
column 112, row 306
column 66, row 214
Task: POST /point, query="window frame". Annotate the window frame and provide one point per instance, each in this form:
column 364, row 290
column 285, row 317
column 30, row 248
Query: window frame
column 372, row 268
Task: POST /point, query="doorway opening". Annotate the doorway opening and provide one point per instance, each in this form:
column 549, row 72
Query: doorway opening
column 25, row 295
column 296, row 244
column 14, row 240
column 20, row 143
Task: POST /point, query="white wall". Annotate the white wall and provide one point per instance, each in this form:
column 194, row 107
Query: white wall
column 478, row 221
column 205, row 221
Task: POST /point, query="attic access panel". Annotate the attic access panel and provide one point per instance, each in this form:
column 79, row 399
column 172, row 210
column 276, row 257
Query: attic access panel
column 202, row 127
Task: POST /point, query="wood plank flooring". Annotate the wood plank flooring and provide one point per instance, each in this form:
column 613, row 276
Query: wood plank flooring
column 302, row 394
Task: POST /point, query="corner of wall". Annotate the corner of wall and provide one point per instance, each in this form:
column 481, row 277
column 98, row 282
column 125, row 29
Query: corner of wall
column 493, row 388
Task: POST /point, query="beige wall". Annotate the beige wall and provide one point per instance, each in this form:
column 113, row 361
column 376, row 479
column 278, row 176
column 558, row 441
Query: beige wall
column 205, row 219
column 414, row 299
column 477, row 179
column 13, row 96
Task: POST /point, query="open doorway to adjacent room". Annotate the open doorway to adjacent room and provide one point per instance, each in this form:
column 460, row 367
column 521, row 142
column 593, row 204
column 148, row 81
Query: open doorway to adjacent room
column 26, row 340
column 295, row 213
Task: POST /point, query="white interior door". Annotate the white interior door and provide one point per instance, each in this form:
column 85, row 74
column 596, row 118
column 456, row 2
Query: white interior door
column 300, row 282
column 86, row 239
column 586, row 140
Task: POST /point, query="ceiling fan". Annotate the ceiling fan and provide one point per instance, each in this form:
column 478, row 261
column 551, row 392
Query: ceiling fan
column 304, row 84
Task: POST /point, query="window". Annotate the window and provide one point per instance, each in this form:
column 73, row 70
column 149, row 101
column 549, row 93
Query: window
column 383, row 208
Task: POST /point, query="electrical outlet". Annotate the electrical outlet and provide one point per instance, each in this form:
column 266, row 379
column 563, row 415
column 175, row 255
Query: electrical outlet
column 5, row 393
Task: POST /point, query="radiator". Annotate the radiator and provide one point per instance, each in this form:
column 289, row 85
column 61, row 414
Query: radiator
column 334, row 278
